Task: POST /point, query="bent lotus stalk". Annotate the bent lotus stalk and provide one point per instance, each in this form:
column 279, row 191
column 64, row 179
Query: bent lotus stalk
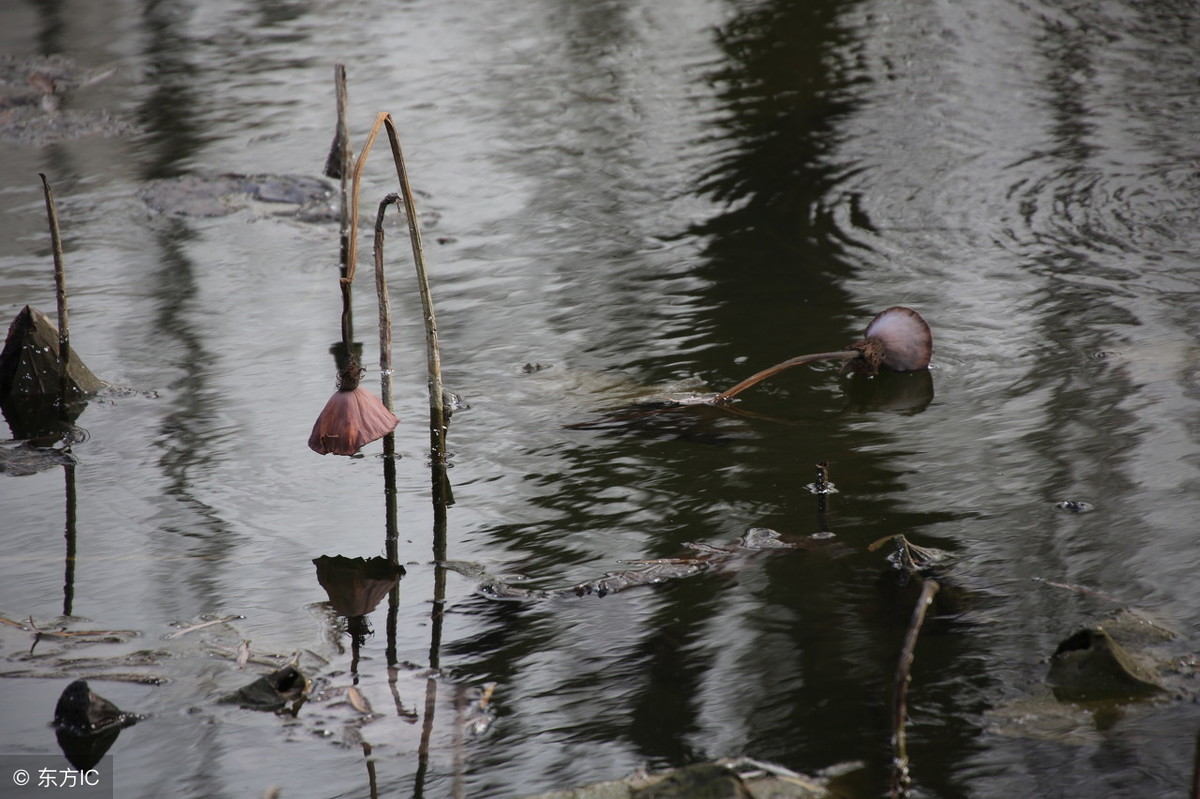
column 354, row 417
column 897, row 339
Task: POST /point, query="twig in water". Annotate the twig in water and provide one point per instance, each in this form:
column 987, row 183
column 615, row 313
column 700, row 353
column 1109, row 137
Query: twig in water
column 69, row 633
column 900, row 776
column 1079, row 589
column 201, row 626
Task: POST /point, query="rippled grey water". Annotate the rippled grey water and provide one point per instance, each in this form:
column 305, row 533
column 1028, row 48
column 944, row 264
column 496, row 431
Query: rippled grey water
column 642, row 196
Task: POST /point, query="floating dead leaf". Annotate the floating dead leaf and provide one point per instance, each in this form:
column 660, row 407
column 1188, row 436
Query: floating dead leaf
column 358, row 701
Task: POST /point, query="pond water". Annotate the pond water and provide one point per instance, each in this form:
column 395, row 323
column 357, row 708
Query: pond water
column 637, row 197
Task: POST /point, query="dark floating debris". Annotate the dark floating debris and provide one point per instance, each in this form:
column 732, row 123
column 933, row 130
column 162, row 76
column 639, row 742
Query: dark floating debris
column 32, row 90
column 30, row 366
column 311, row 199
column 1075, row 506
column 699, row 779
column 657, row 571
column 1092, row 665
column 272, row 692
column 32, row 378
column 87, row 724
column 21, row 458
column 727, row 778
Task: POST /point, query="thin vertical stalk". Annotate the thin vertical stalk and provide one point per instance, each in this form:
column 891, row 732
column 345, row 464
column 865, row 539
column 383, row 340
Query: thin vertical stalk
column 900, row 775
column 60, row 293
column 437, row 410
column 338, row 166
column 356, row 183
column 338, row 163
column 385, row 307
column 437, row 419
column 391, row 542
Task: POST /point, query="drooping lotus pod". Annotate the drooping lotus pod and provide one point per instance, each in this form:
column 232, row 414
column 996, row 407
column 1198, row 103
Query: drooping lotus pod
column 906, row 337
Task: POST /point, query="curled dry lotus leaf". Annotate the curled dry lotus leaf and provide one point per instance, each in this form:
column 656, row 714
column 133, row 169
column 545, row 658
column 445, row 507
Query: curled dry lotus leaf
column 272, row 691
column 1091, row 664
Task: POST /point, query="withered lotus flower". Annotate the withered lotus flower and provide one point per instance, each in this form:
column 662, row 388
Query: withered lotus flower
column 353, row 418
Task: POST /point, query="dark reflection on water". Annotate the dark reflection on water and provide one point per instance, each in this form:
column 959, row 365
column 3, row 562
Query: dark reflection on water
column 646, row 198
column 171, row 109
column 774, row 247
column 194, row 431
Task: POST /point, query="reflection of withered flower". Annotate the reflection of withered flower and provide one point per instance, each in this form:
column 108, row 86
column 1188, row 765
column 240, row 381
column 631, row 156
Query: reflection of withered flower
column 356, row 585
column 353, row 418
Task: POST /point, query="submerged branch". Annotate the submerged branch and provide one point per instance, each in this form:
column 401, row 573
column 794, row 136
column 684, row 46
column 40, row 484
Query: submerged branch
column 900, row 776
